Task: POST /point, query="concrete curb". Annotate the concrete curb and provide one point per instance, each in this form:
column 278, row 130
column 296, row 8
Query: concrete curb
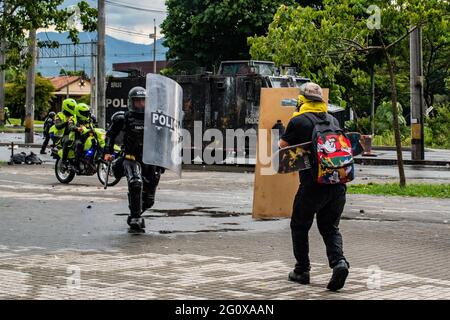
column 22, row 145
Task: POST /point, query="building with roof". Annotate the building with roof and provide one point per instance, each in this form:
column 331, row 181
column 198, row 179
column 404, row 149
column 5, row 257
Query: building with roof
column 69, row 86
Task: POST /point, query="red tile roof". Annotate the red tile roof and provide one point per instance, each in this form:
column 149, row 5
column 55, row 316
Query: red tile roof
column 63, row 81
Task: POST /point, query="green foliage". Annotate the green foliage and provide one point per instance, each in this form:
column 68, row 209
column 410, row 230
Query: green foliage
column 15, row 96
column 412, row 190
column 167, row 72
column 18, row 16
column 207, row 32
column 361, row 125
column 383, row 123
column 85, row 99
column 437, row 132
column 81, row 73
column 384, row 118
column 387, row 139
column 333, row 45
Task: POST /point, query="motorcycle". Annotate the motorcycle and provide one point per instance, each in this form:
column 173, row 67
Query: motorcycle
column 91, row 160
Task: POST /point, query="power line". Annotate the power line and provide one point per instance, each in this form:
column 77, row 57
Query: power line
column 125, row 5
column 129, row 32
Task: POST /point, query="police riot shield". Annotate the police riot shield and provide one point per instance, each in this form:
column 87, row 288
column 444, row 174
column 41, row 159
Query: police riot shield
column 162, row 126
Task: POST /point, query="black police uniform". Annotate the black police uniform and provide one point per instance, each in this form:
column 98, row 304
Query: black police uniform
column 142, row 178
column 49, row 122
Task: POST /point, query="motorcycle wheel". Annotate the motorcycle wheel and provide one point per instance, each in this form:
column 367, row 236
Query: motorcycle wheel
column 63, row 176
column 102, row 168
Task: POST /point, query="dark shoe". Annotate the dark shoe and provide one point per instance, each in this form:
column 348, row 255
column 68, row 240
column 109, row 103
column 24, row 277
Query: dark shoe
column 340, row 273
column 136, row 224
column 302, row 278
column 43, row 152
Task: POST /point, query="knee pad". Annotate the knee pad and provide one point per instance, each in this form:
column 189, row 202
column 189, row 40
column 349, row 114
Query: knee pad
column 135, row 184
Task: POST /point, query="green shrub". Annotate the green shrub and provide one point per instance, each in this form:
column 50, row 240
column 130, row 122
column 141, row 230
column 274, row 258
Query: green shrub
column 437, row 130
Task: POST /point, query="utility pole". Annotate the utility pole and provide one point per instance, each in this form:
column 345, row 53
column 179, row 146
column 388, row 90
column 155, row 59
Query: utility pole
column 417, row 96
column 372, row 100
column 2, row 82
column 153, row 35
column 93, row 79
column 31, row 81
column 101, row 79
column 2, row 73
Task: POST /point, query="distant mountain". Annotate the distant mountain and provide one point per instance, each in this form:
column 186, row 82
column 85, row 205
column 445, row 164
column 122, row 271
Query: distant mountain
column 116, row 51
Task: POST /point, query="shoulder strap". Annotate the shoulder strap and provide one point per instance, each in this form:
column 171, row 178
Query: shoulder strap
column 316, row 120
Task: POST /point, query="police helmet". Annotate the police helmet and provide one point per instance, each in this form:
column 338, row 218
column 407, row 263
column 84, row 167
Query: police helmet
column 136, row 100
column 69, row 106
column 82, row 112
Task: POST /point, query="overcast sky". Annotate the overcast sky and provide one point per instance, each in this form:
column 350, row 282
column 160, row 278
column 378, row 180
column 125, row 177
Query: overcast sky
column 139, row 21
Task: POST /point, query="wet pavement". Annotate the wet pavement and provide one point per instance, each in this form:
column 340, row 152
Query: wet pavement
column 71, row 242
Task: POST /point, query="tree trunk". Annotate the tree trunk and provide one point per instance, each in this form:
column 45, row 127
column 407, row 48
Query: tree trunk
column 398, row 140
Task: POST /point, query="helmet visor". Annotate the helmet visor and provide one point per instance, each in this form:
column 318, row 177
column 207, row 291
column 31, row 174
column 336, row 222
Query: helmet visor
column 137, row 104
column 84, row 114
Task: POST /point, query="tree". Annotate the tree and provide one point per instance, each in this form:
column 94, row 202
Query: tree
column 19, row 17
column 207, row 32
column 324, row 41
column 80, row 73
column 15, row 94
column 436, row 48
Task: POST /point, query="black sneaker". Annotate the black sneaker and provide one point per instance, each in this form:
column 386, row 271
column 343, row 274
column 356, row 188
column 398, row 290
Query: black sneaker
column 340, row 273
column 302, row 278
column 136, row 224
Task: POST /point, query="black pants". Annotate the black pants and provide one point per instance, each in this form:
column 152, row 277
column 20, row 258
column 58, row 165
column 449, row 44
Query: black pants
column 67, row 143
column 328, row 202
column 142, row 181
column 46, row 140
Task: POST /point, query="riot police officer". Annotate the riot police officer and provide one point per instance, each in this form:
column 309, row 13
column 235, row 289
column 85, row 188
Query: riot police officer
column 49, row 122
column 66, row 121
column 142, row 179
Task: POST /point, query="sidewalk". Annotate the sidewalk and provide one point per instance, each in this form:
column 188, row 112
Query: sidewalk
column 70, row 242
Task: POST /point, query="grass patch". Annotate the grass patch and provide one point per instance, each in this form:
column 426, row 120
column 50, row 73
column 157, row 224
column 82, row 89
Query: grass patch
column 16, row 122
column 19, row 129
column 393, row 189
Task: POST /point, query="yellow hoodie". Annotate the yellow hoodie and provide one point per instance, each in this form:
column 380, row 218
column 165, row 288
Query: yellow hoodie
column 310, row 106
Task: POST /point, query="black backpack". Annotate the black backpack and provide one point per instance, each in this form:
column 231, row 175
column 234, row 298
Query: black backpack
column 18, row 158
column 32, row 158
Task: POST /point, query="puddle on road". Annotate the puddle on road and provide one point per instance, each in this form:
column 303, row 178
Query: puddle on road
column 199, row 231
column 194, row 212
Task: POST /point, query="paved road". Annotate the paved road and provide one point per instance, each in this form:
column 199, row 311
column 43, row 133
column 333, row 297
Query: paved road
column 70, row 242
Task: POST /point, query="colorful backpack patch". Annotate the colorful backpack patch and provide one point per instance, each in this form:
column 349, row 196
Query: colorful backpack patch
column 332, row 152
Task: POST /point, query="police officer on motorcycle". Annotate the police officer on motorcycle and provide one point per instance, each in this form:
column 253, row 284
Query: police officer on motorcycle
column 83, row 115
column 66, row 121
column 142, row 178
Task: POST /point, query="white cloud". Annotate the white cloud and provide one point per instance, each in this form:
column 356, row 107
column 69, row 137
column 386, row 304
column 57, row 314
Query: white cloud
column 135, row 20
